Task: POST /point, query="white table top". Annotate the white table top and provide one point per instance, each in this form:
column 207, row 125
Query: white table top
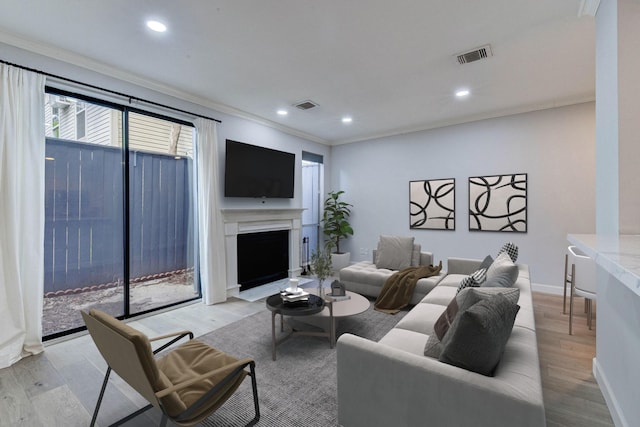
column 350, row 307
column 618, row 255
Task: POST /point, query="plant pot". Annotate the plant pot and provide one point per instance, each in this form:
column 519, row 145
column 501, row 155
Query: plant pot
column 340, row 261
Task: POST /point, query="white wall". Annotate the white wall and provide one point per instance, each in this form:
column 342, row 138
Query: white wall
column 232, row 127
column 555, row 147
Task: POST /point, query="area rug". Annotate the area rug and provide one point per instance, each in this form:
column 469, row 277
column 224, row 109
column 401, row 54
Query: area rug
column 299, row 388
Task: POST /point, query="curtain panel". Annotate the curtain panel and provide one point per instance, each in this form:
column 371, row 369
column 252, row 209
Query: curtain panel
column 211, row 237
column 22, row 157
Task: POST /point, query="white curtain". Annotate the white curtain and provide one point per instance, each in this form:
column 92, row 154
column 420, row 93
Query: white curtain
column 210, row 226
column 22, row 151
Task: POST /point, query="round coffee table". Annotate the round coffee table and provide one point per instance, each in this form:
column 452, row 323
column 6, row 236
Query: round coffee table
column 314, row 305
column 335, row 310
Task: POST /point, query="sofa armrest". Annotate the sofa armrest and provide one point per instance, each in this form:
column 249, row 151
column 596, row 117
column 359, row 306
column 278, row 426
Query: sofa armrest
column 379, row 385
column 462, row 265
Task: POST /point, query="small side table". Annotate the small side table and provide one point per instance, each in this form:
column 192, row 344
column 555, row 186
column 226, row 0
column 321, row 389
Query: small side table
column 276, row 306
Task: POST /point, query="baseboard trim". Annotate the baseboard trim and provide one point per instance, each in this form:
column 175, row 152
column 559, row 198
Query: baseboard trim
column 546, row 289
column 612, row 403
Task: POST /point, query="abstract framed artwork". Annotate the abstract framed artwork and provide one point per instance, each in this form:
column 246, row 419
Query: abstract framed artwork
column 432, row 204
column 498, row 203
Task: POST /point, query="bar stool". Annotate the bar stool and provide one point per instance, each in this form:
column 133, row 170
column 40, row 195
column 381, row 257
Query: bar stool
column 583, row 284
column 568, row 262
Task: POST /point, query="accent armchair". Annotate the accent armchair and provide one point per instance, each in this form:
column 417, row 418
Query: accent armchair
column 187, row 383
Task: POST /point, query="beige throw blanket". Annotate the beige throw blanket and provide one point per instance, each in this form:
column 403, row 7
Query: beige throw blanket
column 398, row 289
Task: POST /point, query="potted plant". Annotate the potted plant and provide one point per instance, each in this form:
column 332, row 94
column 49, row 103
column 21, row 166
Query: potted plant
column 335, row 223
column 321, row 268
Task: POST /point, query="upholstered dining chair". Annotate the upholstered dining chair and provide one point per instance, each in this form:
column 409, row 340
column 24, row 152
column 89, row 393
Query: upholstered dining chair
column 187, row 384
column 583, row 284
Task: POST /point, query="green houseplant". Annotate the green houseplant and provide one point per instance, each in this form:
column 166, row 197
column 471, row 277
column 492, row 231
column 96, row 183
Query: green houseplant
column 321, row 267
column 336, row 227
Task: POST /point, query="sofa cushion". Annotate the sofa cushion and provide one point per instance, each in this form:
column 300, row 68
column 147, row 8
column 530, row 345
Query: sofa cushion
column 421, row 318
column 394, row 252
column 502, row 264
column 479, row 334
column 510, row 249
column 441, row 295
column 404, row 339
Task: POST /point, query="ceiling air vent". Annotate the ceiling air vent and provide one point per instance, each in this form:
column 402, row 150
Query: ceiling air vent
column 305, row 105
column 483, row 52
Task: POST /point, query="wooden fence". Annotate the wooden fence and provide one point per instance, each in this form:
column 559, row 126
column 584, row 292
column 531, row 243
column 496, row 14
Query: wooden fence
column 84, row 215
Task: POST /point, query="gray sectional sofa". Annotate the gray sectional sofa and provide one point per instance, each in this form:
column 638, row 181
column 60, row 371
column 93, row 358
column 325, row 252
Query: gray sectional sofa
column 392, row 382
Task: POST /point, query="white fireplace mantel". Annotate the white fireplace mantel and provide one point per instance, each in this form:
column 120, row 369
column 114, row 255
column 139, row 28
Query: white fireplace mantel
column 245, row 221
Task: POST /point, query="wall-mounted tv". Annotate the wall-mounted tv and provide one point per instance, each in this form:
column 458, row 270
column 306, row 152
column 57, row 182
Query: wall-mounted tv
column 252, row 171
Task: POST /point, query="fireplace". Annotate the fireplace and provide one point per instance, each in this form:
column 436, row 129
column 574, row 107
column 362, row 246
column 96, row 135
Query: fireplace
column 262, row 258
column 242, row 223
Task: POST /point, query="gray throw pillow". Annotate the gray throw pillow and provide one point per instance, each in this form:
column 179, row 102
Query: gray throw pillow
column 470, row 296
column 477, row 338
column 505, row 280
column 394, row 252
column 486, row 262
column 502, row 264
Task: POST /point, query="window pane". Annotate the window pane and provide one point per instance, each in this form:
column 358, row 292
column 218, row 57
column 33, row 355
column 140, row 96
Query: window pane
column 161, row 213
column 83, row 215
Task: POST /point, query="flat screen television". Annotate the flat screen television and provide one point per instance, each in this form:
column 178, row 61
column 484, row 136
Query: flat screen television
column 252, row 171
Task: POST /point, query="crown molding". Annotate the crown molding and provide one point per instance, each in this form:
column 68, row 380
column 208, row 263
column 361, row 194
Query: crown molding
column 82, row 61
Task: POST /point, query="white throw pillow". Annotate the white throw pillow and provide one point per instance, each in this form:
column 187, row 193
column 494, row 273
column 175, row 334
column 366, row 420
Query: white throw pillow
column 394, row 252
column 502, row 264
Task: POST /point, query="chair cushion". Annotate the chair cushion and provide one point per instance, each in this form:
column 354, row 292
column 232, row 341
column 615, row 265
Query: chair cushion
column 193, row 359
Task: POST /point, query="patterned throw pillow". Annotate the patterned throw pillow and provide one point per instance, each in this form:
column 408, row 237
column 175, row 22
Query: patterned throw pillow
column 473, row 280
column 511, row 250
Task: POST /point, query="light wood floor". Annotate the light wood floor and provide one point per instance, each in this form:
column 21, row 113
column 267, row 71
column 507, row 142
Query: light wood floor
column 571, row 395
column 60, row 387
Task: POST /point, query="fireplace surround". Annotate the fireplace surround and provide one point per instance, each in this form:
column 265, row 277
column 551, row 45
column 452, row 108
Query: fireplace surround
column 246, row 221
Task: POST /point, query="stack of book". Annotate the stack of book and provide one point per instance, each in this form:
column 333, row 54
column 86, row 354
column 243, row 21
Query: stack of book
column 295, row 296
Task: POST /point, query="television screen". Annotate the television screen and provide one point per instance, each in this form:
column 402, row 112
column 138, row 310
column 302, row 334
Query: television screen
column 252, row 171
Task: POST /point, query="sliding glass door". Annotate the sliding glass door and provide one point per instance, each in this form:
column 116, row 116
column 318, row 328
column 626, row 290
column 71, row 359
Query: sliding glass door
column 119, row 228
column 161, row 213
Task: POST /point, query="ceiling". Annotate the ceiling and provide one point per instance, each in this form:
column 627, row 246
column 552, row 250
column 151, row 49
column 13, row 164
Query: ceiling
column 391, row 66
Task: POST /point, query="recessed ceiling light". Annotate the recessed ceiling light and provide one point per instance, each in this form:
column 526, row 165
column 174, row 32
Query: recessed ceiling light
column 347, row 120
column 282, row 112
column 463, row 92
column 157, row 26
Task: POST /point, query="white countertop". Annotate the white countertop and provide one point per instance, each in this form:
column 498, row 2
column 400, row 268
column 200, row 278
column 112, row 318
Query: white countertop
column 618, row 255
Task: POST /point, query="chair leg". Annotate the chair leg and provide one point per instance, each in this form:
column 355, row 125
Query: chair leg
column 573, row 275
column 564, row 280
column 254, row 386
column 590, row 314
column 104, row 386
